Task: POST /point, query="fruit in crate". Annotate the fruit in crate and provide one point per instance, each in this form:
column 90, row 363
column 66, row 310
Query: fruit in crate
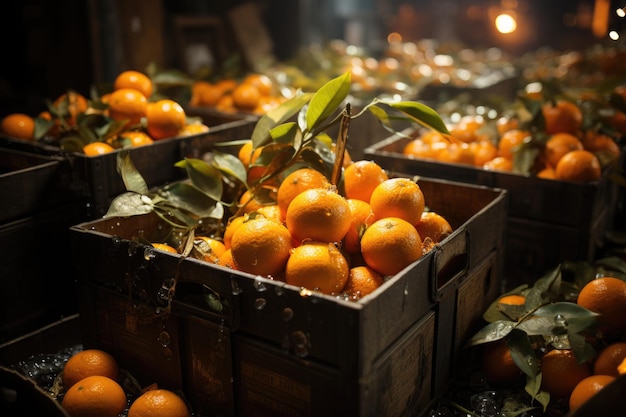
column 290, row 204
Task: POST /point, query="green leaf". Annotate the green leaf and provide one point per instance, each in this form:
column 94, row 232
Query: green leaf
column 569, row 316
column 42, row 126
column 491, row 332
column 230, row 165
column 522, row 352
column 421, row 113
column 533, row 388
column 583, row 350
column 382, row 116
column 327, row 100
column 129, row 204
column 206, row 178
column 130, row 175
column 285, row 133
column 185, row 196
column 282, row 113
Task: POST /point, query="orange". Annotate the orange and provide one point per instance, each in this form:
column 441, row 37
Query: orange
column 95, row 396
column 505, row 123
column 248, row 203
column 245, row 153
column 561, row 372
column 499, row 163
column 134, row 138
column 607, row 297
column 497, row 363
column 158, row 403
column 18, row 125
column 230, row 228
column 398, row 197
column 165, row 119
column 70, row 105
column 604, row 146
column 580, row 166
column 262, row 82
column 361, row 177
column 391, row 244
column 547, row 173
column 164, row 247
column 318, row 266
column 205, row 94
column 226, row 260
column 510, row 141
column 457, row 153
column 587, row 388
column 135, row 80
column 513, row 300
column 193, row 129
column 466, row 130
column 362, row 216
column 562, row 117
column 89, row 362
column 621, row 368
column 246, row 97
column 432, row 136
column 362, row 280
column 609, row 359
column 210, row 248
column 484, row 150
column 261, row 246
column 434, row 226
column 226, row 104
column 318, row 214
column 227, row 85
column 296, row 182
column 97, row 148
column 127, row 104
column 417, row 148
column 272, row 212
column 558, row 145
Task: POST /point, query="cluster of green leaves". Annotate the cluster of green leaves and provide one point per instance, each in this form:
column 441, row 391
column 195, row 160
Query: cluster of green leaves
column 292, row 135
column 549, row 316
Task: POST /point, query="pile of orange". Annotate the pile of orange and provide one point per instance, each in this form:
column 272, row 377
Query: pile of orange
column 141, row 117
column 328, row 238
column 569, row 153
column 255, row 93
column 91, row 379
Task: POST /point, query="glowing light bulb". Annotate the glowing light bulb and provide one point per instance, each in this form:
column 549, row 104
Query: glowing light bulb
column 505, row 23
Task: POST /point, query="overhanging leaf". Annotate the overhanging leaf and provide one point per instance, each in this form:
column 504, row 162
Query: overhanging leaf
column 327, row 100
column 522, row 352
column 129, row 204
column 284, row 133
column 571, row 316
column 133, row 181
column 205, row 177
column 276, row 116
column 189, row 198
column 491, row 332
column 230, row 165
column 421, row 113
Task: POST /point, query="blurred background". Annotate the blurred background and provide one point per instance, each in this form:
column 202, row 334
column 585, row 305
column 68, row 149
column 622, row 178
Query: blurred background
column 51, row 45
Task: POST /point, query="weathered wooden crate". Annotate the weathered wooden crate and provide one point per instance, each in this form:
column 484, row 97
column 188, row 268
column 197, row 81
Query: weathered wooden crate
column 548, row 222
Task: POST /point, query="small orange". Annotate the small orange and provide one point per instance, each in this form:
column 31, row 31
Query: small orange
column 547, row 173
column 18, row 125
column 246, row 97
column 609, row 359
column 262, row 82
column 230, row 228
column 95, row 396
column 604, row 146
column 513, row 299
column 621, row 368
column 361, row 177
column 499, row 163
column 226, row 104
column 97, row 148
column 261, row 246
column 387, row 236
column 194, row 129
column 248, row 203
column 226, row 259
column 164, row 247
column 587, row 388
column 510, row 141
column 318, row 266
column 434, row 226
column 296, row 182
column 579, row 166
column 562, row 117
column 417, row 148
column 135, row 80
column 607, row 297
column 484, row 150
column 127, row 104
column 210, row 249
column 457, row 153
column 558, row 145
column 165, row 118
column 561, row 372
column 398, row 197
column 505, row 123
column 318, row 214
column 272, row 212
column 466, row 129
column 158, row 403
column 89, row 362
column 205, row 94
column 70, row 105
column 245, row 153
column 362, row 216
column 134, row 138
column 497, row 363
column 362, row 280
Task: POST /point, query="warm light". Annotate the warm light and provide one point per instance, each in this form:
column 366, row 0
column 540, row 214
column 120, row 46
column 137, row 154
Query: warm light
column 621, row 12
column 505, row 23
column 613, row 35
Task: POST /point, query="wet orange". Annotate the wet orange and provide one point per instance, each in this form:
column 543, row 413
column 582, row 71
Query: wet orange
column 484, row 150
column 497, row 363
column 226, row 260
column 558, row 145
column 587, row 388
column 134, row 138
column 361, row 217
column 248, row 203
column 296, row 182
column 246, row 97
column 165, row 119
column 398, row 197
column 164, row 247
column 272, row 212
column 499, row 163
column 194, row 129
column 547, row 173
column 135, row 80
column 434, row 226
column 127, row 104
column 609, row 359
column 210, row 249
column 579, row 166
column 561, row 372
column 362, row 280
column 318, row 266
column 361, row 177
column 95, row 396
column 466, row 129
column 89, row 362
column 457, row 153
column 230, row 228
column 562, row 117
column 261, row 246
column 318, row 214
column 510, row 141
column 97, row 148
column 205, row 94
column 158, row 403
column 262, row 82
column 607, row 297
column 18, row 125
column 387, row 236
